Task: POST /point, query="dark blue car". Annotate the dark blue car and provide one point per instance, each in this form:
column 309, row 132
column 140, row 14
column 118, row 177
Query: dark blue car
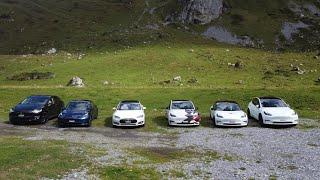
column 78, row 113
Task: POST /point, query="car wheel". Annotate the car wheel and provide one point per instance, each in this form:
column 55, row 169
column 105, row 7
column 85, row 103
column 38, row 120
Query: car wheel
column 261, row 120
column 44, row 120
column 60, row 125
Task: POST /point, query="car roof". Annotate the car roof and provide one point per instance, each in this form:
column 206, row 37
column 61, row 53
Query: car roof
column 88, row 101
column 268, row 97
column 181, row 100
column 226, row 101
column 130, row 101
column 48, row 96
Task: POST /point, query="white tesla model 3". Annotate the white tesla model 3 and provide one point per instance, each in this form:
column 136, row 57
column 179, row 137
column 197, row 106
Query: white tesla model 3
column 129, row 113
column 182, row 113
column 228, row 113
column 272, row 111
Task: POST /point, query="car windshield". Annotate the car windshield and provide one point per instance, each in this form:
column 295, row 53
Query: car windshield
column 78, row 106
column 36, row 100
column 227, row 106
column 129, row 106
column 182, row 105
column 273, row 103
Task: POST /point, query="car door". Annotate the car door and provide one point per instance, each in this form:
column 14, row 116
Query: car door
column 255, row 108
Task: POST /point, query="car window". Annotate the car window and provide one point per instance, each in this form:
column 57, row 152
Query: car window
column 78, row 106
column 182, row 105
column 227, row 106
column 273, row 103
column 129, row 106
column 35, row 100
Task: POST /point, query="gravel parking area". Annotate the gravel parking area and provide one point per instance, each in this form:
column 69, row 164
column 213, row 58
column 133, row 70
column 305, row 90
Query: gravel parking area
column 251, row 152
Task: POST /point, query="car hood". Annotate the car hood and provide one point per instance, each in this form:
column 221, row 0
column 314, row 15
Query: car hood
column 279, row 111
column 73, row 114
column 183, row 112
column 128, row 113
column 28, row 107
column 230, row 114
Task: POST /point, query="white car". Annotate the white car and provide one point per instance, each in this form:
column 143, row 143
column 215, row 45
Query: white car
column 228, row 113
column 128, row 113
column 272, row 111
column 182, row 113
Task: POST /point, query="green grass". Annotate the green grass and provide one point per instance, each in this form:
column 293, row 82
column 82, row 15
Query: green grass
column 128, row 173
column 22, row 159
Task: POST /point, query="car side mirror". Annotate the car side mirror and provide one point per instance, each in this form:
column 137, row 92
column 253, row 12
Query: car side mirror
column 258, row 106
column 144, row 108
column 49, row 103
column 211, row 108
column 114, row 108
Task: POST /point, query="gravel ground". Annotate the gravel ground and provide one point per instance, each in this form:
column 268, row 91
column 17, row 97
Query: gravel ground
column 255, row 152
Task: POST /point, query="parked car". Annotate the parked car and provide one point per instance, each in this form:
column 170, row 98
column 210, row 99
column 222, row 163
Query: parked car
column 228, row 113
column 78, row 113
column 182, row 113
column 129, row 113
column 272, row 111
column 36, row 109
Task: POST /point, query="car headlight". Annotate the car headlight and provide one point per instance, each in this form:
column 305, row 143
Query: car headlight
column 172, row 115
column 268, row 114
column 141, row 116
column 11, row 110
column 36, row 111
column 219, row 116
column 85, row 116
column 244, row 116
column 116, row 117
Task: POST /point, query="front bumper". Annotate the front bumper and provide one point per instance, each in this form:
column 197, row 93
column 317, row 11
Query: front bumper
column 73, row 122
column 231, row 122
column 280, row 120
column 128, row 122
column 25, row 118
column 182, row 122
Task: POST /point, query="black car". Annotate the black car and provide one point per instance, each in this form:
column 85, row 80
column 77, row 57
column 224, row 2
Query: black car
column 36, row 109
column 78, row 113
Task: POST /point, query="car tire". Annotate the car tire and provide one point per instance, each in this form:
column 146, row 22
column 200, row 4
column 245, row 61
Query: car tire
column 214, row 121
column 261, row 121
column 44, row 120
column 249, row 114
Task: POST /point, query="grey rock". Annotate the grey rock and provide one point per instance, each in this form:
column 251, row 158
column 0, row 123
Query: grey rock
column 221, row 34
column 52, row 51
column 289, row 29
column 200, row 11
column 177, row 79
column 76, row 82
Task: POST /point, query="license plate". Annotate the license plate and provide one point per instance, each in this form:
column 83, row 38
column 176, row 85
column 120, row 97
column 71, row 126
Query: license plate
column 232, row 121
column 72, row 121
column 21, row 115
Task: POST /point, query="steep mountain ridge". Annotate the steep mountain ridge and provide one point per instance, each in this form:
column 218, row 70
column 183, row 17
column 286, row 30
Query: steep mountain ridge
column 33, row 26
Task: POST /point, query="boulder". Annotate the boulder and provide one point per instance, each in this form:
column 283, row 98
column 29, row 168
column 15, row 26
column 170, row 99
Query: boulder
column 52, row 51
column 177, row 79
column 200, row 11
column 76, row 82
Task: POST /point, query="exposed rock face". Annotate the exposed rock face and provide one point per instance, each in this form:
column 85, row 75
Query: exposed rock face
column 221, row 34
column 200, row 11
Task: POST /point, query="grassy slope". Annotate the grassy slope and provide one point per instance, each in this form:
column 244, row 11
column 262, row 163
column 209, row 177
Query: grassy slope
column 22, row 159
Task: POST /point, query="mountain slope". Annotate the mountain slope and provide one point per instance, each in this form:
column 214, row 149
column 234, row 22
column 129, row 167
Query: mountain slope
column 33, row 26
